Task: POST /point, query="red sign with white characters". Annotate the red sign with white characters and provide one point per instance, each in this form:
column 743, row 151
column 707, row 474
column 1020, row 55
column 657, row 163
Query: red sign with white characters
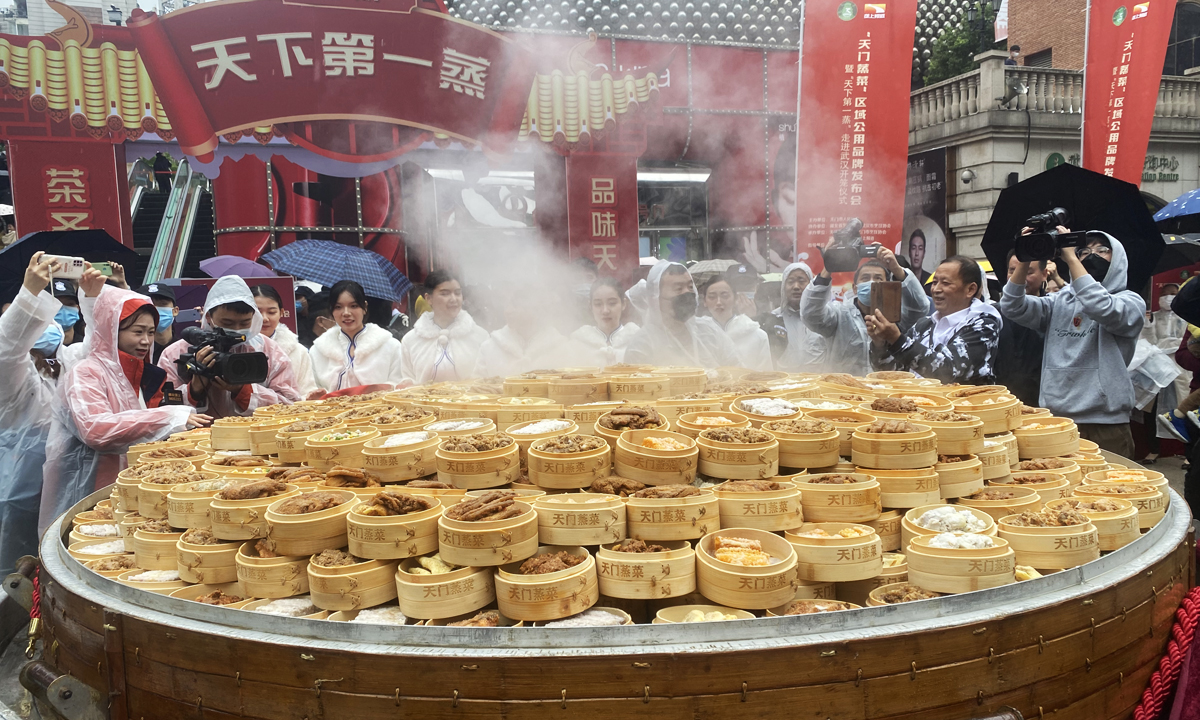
column 70, row 186
column 602, row 211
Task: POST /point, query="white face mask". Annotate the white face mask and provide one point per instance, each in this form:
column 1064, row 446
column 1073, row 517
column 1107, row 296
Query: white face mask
column 1164, row 302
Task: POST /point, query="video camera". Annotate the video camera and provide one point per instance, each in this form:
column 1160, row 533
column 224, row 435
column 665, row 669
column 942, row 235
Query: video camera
column 1045, row 241
column 848, row 248
column 233, row 368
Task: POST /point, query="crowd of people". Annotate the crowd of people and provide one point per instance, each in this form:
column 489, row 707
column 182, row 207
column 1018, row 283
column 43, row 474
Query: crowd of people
column 73, row 407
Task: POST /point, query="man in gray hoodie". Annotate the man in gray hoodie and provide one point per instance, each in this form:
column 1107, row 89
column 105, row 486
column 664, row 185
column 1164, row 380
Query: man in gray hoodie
column 1091, row 328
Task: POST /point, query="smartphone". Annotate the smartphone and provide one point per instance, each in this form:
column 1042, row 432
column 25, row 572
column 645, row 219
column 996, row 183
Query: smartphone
column 885, row 297
column 105, row 268
column 69, row 268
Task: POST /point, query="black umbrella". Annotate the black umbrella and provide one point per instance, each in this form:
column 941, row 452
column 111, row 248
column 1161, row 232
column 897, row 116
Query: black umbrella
column 91, row 245
column 1178, row 251
column 1095, row 201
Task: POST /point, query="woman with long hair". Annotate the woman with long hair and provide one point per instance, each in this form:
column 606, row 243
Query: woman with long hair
column 603, row 343
column 354, row 352
column 444, row 343
column 270, row 306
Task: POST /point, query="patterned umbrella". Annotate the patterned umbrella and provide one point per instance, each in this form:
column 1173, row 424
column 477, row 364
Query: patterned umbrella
column 327, row 262
column 1181, row 215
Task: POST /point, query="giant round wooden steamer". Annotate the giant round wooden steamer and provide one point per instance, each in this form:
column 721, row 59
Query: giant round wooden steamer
column 150, row 649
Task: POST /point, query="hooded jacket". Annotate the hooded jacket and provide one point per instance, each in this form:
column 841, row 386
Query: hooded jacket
column 280, row 385
column 599, row 350
column 698, row 346
column 297, row 355
column 967, row 355
column 505, row 353
column 429, row 353
column 99, row 414
column 1091, row 330
column 841, row 323
column 748, row 338
column 376, row 358
column 805, row 349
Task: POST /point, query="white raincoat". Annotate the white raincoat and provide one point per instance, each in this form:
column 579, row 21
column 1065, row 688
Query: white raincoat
column 701, row 346
column 599, row 350
column 298, row 356
column 805, row 349
column 376, row 358
column 750, row 340
column 280, row 385
column 430, row 353
column 505, row 353
column 98, row 415
column 26, row 399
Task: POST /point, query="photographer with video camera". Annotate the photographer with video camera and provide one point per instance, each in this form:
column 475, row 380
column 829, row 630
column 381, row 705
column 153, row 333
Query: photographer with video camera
column 843, row 322
column 1091, row 327
column 226, row 367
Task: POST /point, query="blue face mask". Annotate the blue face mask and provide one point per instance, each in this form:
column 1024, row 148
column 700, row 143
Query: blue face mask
column 864, row 293
column 67, row 316
column 166, row 316
column 298, row 305
column 50, row 341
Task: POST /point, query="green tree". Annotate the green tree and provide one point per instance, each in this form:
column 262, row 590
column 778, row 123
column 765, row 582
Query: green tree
column 954, row 52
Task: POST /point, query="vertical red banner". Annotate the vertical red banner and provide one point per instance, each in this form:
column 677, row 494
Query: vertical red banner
column 855, row 75
column 1127, row 43
column 602, row 211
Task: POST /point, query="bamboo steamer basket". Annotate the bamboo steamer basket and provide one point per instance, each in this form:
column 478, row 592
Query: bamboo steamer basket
column 524, row 493
column 231, row 433
column 212, row 564
column 156, row 551
column 746, row 587
column 568, row 520
column 770, row 510
column 793, row 390
column 939, row 400
column 960, row 570
column 655, row 467
column 194, row 435
column 76, row 535
column 527, row 439
column 641, row 387
column 478, row 470
column 828, row 605
column 566, row 471
column 1031, row 412
column 409, row 426
column 1051, row 548
column 807, row 450
column 1009, row 441
column 685, row 423
column 271, row 578
column 549, row 596
column 845, row 429
column 858, row 590
column 833, row 387
column 491, row 542
column 254, row 605
column 91, row 565
column 89, row 516
column 486, row 428
column 1070, row 470
column 1088, row 462
column 1055, row 487
column 235, row 473
column 757, row 420
column 894, row 451
column 805, row 403
column 1038, row 443
column 891, row 375
column 504, row 621
column 684, row 380
column 995, row 462
column 135, row 452
column 1117, row 528
column 1148, row 477
column 511, row 411
column 349, row 418
column 625, row 617
column 647, row 576
column 325, row 455
column 1086, row 446
column 673, row 408
column 887, row 526
column 195, row 456
column 153, row 498
column 836, row 559
column 852, row 398
column 815, row 590
column 576, row 391
column 262, row 435
column 401, row 462
column 585, row 416
column 677, row 613
column 448, row 595
column 847, row 503
column 873, row 600
column 613, row 435
column 523, row 386
column 956, row 479
column 955, row 438
column 290, row 445
column 75, row 550
column 1002, row 414
column 310, row 533
column 909, row 528
column 352, row 587
column 738, row 461
column 1024, row 500
column 243, row 519
column 1151, row 504
column 448, row 496
column 126, row 526
column 669, row 519
column 908, row 488
column 191, row 592
column 189, row 508
column 393, row 537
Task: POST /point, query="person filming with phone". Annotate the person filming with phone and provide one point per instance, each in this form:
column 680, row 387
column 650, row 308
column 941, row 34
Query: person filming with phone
column 1091, row 327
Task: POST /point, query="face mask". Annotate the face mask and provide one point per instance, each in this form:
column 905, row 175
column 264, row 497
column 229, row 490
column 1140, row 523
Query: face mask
column 50, row 341
column 864, row 293
column 66, row 316
column 166, row 317
column 1164, row 302
column 683, row 306
column 1096, row 266
column 298, row 305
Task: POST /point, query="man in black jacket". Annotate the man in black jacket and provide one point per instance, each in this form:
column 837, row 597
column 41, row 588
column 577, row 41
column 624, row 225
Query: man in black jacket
column 1019, row 358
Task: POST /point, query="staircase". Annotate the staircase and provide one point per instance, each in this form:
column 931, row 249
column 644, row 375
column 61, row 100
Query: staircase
column 145, row 229
column 203, row 244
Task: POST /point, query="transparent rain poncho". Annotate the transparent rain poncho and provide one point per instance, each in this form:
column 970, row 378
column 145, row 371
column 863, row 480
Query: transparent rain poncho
column 696, row 345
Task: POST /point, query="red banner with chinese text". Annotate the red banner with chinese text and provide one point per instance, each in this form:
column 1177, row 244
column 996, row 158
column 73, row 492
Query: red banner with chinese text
column 602, row 211
column 852, row 136
column 1127, row 43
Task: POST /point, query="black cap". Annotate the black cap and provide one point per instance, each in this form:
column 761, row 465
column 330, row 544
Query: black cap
column 160, row 290
column 64, row 288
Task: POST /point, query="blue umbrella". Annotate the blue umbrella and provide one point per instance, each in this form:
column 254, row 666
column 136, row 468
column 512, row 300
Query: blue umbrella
column 1180, row 216
column 327, row 262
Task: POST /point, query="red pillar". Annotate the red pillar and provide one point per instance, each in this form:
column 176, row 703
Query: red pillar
column 602, row 210
column 70, row 186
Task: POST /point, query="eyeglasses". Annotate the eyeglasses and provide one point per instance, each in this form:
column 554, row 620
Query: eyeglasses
column 1082, row 252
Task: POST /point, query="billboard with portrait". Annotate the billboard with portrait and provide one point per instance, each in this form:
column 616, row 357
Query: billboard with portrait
column 923, row 241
